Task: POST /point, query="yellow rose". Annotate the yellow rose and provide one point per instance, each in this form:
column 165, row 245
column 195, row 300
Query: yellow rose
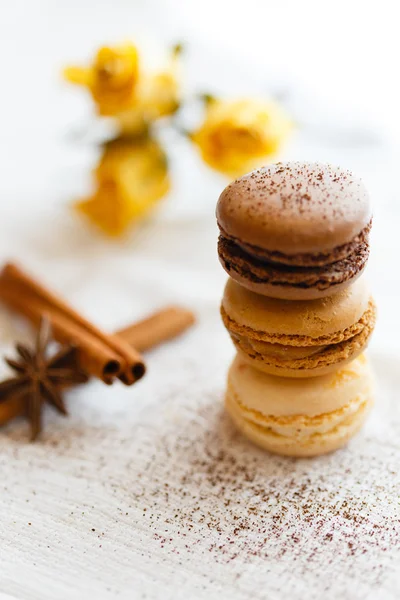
column 160, row 95
column 157, row 96
column 111, row 79
column 131, row 177
column 121, row 89
column 236, row 136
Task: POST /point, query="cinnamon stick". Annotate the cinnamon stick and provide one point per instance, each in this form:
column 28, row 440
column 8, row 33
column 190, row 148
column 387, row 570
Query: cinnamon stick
column 160, row 327
column 104, row 356
column 94, row 356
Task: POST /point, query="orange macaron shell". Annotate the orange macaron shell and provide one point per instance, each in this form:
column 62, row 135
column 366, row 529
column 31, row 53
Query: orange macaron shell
column 299, row 339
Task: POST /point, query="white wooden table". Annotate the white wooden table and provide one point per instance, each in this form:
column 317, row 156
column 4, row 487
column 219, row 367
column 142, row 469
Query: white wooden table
column 148, row 492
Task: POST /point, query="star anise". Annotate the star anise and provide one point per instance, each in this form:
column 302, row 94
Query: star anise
column 39, row 378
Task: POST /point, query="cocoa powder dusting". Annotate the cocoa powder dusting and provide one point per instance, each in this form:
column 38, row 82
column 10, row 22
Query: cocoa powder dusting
column 207, row 488
column 178, row 488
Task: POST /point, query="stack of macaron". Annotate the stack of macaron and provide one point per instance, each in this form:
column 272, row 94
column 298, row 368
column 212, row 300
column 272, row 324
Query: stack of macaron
column 294, row 238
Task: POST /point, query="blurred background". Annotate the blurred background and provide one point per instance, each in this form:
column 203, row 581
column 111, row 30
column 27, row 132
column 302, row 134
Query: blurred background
column 330, row 66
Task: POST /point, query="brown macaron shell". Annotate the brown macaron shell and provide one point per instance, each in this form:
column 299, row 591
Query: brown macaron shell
column 299, row 339
column 295, row 230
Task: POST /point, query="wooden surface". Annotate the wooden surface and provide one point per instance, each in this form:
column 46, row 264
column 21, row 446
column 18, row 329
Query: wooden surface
column 148, row 492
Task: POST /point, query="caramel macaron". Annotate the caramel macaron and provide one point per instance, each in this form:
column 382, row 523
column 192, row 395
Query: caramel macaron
column 307, row 417
column 295, row 231
column 299, row 338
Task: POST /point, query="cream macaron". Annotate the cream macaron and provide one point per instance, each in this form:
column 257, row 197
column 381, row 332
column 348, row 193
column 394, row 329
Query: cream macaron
column 305, row 417
column 299, row 338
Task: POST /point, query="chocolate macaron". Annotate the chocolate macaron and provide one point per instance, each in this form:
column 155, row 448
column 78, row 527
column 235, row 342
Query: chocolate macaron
column 295, row 231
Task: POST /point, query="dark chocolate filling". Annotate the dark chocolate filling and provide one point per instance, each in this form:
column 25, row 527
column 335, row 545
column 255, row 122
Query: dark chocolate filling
column 234, row 258
column 317, row 259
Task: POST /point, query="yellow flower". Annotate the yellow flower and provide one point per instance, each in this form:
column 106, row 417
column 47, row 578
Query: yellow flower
column 111, row 79
column 131, row 177
column 157, row 96
column 160, row 95
column 121, row 89
column 239, row 135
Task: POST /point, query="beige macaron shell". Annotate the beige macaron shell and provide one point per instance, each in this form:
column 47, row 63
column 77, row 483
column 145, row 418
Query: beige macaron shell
column 295, row 208
column 307, row 447
column 303, row 417
column 282, row 397
column 312, row 319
